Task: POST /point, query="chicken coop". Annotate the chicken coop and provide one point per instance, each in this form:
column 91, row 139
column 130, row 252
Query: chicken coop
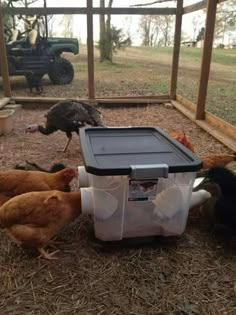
column 191, row 274
column 218, row 128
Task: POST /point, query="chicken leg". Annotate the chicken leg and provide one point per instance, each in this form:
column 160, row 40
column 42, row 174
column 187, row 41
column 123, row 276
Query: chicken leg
column 46, row 255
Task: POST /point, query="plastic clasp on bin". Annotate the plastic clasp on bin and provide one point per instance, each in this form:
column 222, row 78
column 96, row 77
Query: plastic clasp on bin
column 149, row 171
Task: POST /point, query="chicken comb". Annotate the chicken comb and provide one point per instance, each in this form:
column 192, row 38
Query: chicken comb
column 182, row 138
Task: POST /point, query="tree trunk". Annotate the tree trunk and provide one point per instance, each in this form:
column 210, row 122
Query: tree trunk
column 102, row 32
column 108, row 27
column 105, row 43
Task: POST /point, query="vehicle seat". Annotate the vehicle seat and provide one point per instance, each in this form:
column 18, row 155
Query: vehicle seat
column 15, row 34
column 32, row 38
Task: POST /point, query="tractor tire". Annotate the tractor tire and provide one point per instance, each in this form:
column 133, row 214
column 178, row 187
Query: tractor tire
column 61, row 71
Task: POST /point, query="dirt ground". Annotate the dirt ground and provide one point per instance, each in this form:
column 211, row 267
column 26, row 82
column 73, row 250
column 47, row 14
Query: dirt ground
column 193, row 274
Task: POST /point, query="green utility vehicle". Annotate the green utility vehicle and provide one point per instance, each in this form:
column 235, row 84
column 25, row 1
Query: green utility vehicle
column 33, row 53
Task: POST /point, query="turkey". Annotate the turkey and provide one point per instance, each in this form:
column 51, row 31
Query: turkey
column 68, row 116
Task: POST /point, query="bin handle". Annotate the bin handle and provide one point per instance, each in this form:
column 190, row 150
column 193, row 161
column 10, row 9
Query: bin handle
column 151, row 171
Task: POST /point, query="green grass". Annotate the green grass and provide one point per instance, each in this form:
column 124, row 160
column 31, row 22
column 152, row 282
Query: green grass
column 113, row 66
column 221, row 97
column 227, row 57
column 220, row 56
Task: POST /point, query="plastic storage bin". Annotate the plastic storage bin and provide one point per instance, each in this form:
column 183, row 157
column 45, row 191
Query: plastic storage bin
column 136, row 182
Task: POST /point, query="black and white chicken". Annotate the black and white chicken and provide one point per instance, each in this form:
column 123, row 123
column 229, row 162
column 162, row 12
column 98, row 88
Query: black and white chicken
column 221, row 207
column 68, row 116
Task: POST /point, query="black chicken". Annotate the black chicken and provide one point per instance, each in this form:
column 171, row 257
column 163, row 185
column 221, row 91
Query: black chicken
column 29, row 166
column 68, row 116
column 221, row 208
column 34, row 80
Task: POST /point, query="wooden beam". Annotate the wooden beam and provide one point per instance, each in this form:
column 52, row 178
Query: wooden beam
column 210, row 118
column 136, row 11
column 217, row 134
column 206, row 58
column 123, row 100
column 176, row 50
column 222, row 125
column 208, row 127
column 83, row 10
column 188, row 104
column 90, row 50
column 198, row 6
column 3, row 61
column 164, row 96
column 134, row 101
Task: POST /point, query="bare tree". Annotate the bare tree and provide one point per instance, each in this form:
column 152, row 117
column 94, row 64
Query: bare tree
column 155, row 28
column 102, row 33
column 127, row 26
column 225, row 19
column 27, row 3
column 105, row 44
column 166, row 27
column 111, row 38
column 149, row 27
column 67, row 23
column 196, row 20
column 150, row 3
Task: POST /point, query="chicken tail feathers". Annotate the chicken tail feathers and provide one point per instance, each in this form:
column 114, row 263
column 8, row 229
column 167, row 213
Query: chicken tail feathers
column 35, row 166
column 29, row 166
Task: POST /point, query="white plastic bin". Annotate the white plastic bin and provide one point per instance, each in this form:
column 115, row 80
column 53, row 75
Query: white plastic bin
column 117, row 217
column 130, row 199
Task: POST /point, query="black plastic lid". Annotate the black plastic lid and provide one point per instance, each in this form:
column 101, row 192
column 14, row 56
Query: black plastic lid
column 112, row 151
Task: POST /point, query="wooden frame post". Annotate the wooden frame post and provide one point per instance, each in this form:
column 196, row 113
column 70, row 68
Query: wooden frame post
column 90, row 50
column 176, row 51
column 206, row 58
column 3, row 61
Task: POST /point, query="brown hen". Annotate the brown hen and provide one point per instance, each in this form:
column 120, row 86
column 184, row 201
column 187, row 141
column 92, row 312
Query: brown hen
column 182, row 139
column 217, row 160
column 34, row 218
column 17, row 182
column 3, row 199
